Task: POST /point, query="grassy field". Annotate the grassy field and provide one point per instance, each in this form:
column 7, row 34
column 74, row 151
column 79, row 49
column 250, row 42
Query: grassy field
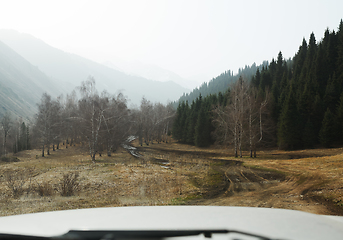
column 168, row 174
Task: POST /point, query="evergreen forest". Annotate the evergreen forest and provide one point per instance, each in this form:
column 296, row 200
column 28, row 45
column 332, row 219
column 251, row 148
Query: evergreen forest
column 293, row 104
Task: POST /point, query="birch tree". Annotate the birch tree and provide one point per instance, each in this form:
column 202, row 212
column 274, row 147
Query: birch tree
column 90, row 115
column 47, row 121
column 116, row 121
column 6, row 125
column 241, row 122
column 256, row 123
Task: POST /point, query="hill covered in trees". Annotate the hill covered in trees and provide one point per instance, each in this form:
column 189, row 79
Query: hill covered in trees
column 220, row 83
column 307, row 95
column 294, row 103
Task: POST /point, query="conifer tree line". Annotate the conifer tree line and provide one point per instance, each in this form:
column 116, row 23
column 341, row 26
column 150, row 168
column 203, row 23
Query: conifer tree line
column 100, row 123
column 220, row 83
column 238, row 117
column 292, row 104
column 193, row 123
column 307, row 93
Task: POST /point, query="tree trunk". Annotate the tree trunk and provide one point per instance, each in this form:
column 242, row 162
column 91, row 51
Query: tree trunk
column 43, row 151
column 5, row 146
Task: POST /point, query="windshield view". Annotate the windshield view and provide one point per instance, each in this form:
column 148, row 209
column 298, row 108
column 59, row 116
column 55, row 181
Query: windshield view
column 113, row 104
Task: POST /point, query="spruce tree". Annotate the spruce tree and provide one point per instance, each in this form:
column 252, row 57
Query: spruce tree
column 309, row 137
column 317, row 115
column 339, row 119
column 327, row 132
column 191, row 121
column 289, row 132
column 202, row 131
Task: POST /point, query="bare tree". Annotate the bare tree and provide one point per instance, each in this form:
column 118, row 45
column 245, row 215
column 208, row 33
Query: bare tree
column 69, row 118
column 117, row 123
column 148, row 118
column 241, row 121
column 6, row 125
column 256, row 109
column 103, row 121
column 48, row 121
column 152, row 121
column 236, row 111
column 90, row 115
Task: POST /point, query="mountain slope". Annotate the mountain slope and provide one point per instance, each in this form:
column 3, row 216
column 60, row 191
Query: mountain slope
column 21, row 84
column 72, row 69
column 150, row 71
column 220, row 83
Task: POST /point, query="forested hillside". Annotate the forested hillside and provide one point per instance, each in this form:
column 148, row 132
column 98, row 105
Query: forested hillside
column 307, row 97
column 220, row 83
column 294, row 104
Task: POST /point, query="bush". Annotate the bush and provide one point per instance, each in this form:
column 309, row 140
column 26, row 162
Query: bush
column 44, row 189
column 15, row 181
column 69, row 184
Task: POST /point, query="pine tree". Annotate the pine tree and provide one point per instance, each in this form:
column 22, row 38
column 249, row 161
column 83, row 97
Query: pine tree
column 256, row 79
column 326, row 134
column 180, row 126
column 202, row 131
column 332, row 93
column 289, row 132
column 191, row 121
column 309, row 137
column 317, row 115
column 339, row 119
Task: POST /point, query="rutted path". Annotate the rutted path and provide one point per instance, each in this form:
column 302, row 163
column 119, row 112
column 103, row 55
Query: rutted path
column 239, row 185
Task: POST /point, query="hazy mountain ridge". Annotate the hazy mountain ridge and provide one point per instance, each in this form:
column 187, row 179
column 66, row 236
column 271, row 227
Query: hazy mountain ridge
column 22, row 84
column 150, row 71
column 71, row 70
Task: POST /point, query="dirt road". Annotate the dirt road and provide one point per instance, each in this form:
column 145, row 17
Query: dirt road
column 244, row 184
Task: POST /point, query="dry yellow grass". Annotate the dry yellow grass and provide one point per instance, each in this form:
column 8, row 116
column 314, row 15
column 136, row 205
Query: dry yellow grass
column 119, row 180
column 177, row 174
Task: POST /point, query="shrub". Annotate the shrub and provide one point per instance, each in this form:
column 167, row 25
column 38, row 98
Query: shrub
column 69, row 184
column 44, row 189
column 15, row 181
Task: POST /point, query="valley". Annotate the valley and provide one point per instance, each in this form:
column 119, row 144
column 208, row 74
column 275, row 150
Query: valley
column 172, row 174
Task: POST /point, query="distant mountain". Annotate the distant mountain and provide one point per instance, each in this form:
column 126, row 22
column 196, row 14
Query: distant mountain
column 150, row 71
column 21, row 84
column 70, row 70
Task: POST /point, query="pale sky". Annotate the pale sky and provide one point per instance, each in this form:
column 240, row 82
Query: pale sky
column 188, row 37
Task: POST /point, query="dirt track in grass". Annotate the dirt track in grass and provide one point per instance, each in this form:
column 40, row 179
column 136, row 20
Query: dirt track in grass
column 168, row 174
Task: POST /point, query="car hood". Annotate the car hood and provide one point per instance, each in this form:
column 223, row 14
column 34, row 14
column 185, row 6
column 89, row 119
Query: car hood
column 273, row 223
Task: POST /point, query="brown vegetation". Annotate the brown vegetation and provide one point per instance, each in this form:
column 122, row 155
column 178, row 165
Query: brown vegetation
column 172, row 173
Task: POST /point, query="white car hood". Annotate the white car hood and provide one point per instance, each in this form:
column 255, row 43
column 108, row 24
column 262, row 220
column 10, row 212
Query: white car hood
column 273, row 223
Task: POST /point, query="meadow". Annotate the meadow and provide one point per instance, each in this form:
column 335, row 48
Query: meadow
column 172, row 174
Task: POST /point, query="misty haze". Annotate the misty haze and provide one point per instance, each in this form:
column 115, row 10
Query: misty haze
column 157, row 103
